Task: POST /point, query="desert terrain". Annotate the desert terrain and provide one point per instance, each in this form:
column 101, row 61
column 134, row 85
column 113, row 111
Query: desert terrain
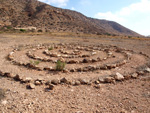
column 101, row 74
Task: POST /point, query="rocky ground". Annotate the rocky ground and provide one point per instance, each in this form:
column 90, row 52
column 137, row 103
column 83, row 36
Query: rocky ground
column 101, row 75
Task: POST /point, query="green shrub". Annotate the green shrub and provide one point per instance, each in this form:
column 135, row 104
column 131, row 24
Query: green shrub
column 129, row 36
column 50, row 48
column 8, row 27
column 22, row 30
column 60, row 65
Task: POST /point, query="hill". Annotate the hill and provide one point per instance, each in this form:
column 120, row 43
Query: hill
column 46, row 18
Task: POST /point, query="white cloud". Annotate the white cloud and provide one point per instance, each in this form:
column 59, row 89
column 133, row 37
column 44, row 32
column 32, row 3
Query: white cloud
column 135, row 16
column 85, row 2
column 72, row 8
column 59, row 3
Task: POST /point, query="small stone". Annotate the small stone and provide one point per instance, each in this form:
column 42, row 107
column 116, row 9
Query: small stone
column 55, row 81
column 119, row 77
column 101, row 80
column 126, row 77
column 134, row 75
column 65, row 71
column 64, row 80
column 98, row 86
column 77, row 82
column 48, row 82
column 97, row 82
column 17, row 78
column 4, row 102
column 85, row 61
column 83, row 81
column 51, row 86
column 27, row 79
column 109, row 79
column 123, row 111
column 9, row 75
column 31, row 86
column 37, row 83
column 147, row 70
column 93, row 53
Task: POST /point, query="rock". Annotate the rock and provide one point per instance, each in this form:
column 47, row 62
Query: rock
column 123, row 111
column 1, row 73
column 109, row 80
column 77, row 82
column 97, row 82
column 85, row 61
column 93, row 53
column 51, row 86
column 54, row 55
column 65, row 71
column 48, row 82
column 119, row 77
column 10, row 75
column 110, row 66
column 134, row 75
column 31, row 86
column 147, row 70
column 17, row 78
column 64, row 80
column 101, row 80
column 126, row 77
column 55, row 81
column 83, row 81
column 27, row 79
column 110, row 53
column 72, row 61
column 37, row 82
column 94, row 60
column 140, row 72
column 4, row 102
column 98, row 86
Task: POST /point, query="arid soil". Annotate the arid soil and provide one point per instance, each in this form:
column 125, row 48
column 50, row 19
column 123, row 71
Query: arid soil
column 102, row 75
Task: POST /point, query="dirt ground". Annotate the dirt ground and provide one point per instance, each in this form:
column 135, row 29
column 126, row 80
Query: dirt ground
column 129, row 96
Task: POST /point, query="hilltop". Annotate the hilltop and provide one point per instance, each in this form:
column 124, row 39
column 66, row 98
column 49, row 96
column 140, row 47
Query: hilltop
column 46, row 18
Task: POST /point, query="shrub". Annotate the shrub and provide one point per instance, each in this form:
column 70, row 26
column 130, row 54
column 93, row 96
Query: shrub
column 60, row 65
column 50, row 48
column 8, row 27
column 129, row 36
column 22, row 30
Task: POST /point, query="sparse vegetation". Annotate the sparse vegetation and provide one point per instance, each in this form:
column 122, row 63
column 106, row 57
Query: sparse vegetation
column 50, row 48
column 129, row 36
column 36, row 62
column 60, row 65
column 22, row 30
column 2, row 93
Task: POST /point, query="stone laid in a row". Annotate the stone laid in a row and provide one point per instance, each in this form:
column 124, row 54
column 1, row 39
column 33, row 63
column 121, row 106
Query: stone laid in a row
column 51, row 83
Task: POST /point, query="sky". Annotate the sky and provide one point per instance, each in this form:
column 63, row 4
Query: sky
column 133, row 14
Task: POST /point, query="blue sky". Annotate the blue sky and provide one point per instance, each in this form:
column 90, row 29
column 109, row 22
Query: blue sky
column 133, row 14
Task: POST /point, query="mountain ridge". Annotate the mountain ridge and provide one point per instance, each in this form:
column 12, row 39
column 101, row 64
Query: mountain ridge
column 25, row 13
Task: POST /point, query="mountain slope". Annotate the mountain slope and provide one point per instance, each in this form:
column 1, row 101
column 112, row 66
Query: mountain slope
column 25, row 13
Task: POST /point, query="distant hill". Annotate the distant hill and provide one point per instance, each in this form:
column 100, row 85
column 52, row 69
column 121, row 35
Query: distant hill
column 43, row 17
